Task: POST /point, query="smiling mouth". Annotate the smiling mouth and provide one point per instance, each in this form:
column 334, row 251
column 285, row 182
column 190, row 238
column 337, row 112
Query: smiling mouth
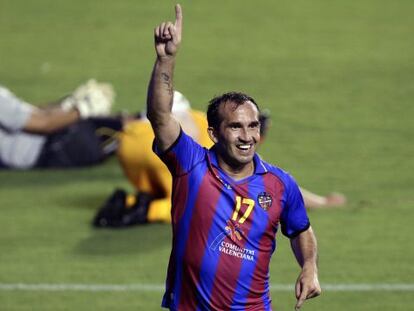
column 244, row 147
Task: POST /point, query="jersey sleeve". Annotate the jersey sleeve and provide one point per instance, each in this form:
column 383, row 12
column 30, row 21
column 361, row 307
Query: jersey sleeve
column 294, row 218
column 14, row 112
column 182, row 156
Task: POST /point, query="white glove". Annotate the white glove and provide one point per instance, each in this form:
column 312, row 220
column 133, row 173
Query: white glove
column 91, row 99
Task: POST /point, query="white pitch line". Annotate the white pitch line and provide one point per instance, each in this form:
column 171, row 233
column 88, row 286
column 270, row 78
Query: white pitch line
column 358, row 287
column 369, row 287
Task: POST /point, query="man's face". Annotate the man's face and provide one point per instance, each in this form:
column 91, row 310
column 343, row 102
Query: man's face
column 238, row 134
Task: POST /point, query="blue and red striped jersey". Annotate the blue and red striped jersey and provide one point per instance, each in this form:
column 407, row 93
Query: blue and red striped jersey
column 224, row 230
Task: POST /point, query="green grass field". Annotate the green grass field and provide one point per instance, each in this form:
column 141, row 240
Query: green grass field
column 338, row 79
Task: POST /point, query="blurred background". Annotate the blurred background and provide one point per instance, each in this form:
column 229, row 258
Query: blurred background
column 337, row 77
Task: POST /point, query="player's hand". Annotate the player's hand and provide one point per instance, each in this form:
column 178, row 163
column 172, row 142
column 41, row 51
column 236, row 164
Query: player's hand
column 167, row 36
column 335, row 199
column 307, row 286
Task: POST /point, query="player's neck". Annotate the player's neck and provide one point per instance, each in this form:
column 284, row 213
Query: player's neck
column 236, row 172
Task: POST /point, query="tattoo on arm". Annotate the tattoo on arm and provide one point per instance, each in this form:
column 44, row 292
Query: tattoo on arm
column 166, row 80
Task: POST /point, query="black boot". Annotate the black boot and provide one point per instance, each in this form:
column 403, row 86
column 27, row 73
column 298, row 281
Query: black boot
column 111, row 213
column 137, row 214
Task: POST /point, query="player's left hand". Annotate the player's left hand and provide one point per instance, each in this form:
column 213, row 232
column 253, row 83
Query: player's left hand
column 307, row 286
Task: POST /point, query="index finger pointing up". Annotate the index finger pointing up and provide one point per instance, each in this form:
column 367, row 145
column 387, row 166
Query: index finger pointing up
column 178, row 17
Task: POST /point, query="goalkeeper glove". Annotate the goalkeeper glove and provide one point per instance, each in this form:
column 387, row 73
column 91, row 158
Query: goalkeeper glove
column 91, row 99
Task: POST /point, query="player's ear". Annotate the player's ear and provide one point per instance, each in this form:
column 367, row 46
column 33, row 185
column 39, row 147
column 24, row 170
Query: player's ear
column 212, row 133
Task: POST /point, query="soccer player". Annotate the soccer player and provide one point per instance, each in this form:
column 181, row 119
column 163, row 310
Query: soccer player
column 52, row 136
column 151, row 179
column 227, row 203
column 143, row 168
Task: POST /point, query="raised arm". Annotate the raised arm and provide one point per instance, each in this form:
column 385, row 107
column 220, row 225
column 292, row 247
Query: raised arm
column 167, row 39
column 305, row 249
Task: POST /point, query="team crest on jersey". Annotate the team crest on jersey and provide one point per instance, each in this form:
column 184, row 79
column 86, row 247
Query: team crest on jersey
column 265, row 200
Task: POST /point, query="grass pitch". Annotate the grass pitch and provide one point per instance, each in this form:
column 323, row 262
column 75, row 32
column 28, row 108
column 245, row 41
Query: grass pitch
column 338, row 79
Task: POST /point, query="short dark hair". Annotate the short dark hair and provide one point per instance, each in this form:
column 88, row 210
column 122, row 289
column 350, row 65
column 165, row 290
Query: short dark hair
column 213, row 115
